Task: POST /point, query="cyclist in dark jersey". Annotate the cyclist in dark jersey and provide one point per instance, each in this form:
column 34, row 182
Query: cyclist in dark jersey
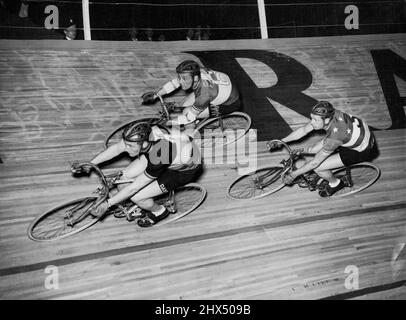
column 348, row 141
column 162, row 163
column 210, row 93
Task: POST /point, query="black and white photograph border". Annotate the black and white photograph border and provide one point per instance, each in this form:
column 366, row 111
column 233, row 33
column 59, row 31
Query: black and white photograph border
column 74, row 218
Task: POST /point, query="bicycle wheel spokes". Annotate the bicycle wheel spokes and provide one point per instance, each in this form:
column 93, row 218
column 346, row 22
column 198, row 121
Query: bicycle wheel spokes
column 362, row 175
column 56, row 223
column 235, row 126
column 258, row 184
column 187, row 199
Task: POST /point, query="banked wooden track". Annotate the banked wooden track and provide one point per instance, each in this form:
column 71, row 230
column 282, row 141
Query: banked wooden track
column 60, row 99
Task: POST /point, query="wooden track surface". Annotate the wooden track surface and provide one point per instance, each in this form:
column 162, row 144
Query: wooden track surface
column 57, row 105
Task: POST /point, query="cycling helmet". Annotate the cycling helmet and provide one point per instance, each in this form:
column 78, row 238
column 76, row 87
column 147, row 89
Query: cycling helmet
column 137, row 132
column 189, row 66
column 323, row 109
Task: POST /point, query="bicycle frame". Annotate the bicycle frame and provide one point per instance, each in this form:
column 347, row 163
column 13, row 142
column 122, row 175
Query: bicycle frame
column 287, row 166
column 103, row 194
column 290, row 164
column 167, row 107
column 108, row 182
column 269, row 179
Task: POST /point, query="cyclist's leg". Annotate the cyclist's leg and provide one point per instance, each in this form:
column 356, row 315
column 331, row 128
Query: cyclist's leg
column 134, row 169
column 168, row 181
column 145, row 200
column 214, row 111
column 145, row 197
column 324, row 170
column 202, row 115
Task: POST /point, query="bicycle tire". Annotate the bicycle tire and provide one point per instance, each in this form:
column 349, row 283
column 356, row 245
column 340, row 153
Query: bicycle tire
column 55, row 220
column 231, row 122
column 187, row 198
column 363, row 176
column 115, row 135
column 245, row 187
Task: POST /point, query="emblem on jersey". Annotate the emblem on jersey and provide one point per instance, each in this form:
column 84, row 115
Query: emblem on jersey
column 163, row 188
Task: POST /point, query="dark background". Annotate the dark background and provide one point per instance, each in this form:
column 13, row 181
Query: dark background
column 227, row 19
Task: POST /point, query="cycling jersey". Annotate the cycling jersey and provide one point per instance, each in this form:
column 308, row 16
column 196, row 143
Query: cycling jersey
column 347, row 131
column 167, row 166
column 214, row 88
column 171, row 153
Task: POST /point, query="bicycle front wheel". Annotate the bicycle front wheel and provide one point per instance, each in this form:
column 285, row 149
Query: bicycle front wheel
column 187, row 199
column 235, row 126
column 54, row 224
column 116, row 134
column 257, row 184
column 363, row 175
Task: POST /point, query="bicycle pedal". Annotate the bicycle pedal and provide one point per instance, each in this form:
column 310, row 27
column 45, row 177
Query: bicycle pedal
column 131, row 216
column 171, row 209
column 170, row 206
column 69, row 218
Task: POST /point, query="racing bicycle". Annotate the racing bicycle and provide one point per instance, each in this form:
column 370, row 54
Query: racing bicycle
column 268, row 180
column 209, row 132
column 76, row 215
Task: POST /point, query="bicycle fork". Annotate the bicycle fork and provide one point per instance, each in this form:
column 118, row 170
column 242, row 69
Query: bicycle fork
column 69, row 213
column 259, row 181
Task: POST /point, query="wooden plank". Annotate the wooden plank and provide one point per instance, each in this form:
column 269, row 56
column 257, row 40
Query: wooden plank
column 58, row 104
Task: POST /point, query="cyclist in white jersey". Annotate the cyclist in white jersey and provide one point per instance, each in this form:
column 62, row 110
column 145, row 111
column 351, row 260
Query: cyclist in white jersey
column 209, row 93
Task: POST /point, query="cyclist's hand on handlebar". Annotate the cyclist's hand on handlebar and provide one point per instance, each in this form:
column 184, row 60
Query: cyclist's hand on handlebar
column 273, row 145
column 288, row 178
column 75, row 168
column 149, row 97
column 298, row 152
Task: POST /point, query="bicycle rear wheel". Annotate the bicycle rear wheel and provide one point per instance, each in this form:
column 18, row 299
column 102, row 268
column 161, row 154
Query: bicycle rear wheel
column 54, row 223
column 187, row 199
column 235, row 125
column 256, row 184
column 116, row 134
column 363, row 175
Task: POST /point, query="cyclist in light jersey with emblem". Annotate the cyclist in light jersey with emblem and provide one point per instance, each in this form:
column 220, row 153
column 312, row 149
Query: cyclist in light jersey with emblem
column 162, row 163
column 348, row 141
column 209, row 93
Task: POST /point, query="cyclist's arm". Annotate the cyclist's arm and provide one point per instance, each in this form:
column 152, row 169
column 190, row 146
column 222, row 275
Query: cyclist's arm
column 313, row 163
column 111, row 152
column 139, row 183
column 298, row 133
column 168, row 87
